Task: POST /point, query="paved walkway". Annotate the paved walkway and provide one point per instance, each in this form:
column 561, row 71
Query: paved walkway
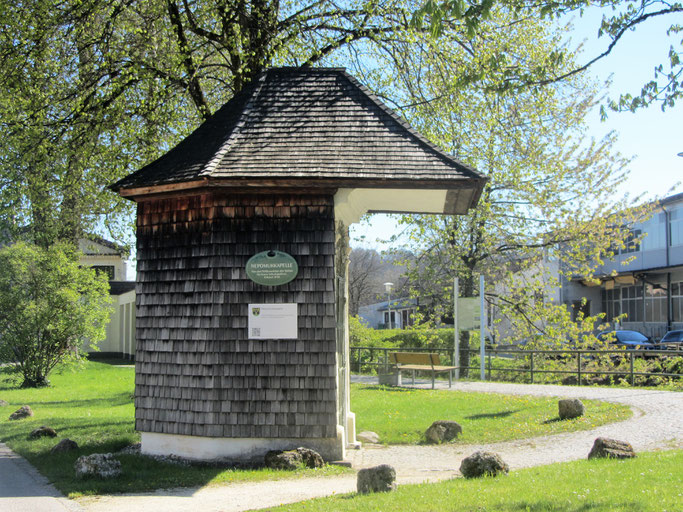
column 23, row 489
column 657, row 424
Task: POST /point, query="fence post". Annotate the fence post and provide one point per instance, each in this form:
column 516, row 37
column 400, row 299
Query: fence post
column 531, row 372
column 578, row 365
column 489, row 364
column 632, row 376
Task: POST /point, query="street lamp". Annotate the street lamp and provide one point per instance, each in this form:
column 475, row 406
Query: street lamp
column 387, row 288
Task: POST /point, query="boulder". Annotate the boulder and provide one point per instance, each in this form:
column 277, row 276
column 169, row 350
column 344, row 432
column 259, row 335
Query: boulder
column 604, row 447
column 569, row 408
column 21, row 413
column 3, row 403
column 65, row 445
column 442, row 431
column 310, row 458
column 376, row 479
column 293, row 459
column 43, row 431
column 99, row 465
column 131, row 449
column 368, row 437
column 483, row 464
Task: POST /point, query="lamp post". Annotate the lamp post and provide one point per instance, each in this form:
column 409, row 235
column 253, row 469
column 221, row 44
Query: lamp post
column 388, row 287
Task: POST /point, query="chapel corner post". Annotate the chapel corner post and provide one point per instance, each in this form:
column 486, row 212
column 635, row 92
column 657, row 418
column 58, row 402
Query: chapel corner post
column 346, row 419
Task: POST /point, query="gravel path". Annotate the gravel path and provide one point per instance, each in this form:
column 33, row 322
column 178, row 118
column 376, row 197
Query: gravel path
column 657, row 424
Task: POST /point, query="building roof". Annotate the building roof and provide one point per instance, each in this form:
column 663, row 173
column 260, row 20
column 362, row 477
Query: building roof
column 311, row 127
column 121, row 287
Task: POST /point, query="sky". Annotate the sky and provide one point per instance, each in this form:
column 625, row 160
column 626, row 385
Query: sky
column 651, row 137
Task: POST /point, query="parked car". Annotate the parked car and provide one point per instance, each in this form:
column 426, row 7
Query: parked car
column 672, row 340
column 631, row 340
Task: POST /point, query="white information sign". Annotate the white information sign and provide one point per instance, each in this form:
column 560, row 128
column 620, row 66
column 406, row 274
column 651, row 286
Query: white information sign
column 273, row 321
column 469, row 313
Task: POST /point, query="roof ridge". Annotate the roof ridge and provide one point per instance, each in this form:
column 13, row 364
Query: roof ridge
column 252, row 94
column 420, row 138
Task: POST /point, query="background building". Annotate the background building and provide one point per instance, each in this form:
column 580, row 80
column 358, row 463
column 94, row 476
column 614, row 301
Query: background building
column 647, row 284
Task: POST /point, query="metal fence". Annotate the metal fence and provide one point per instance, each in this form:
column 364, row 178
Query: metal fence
column 533, row 363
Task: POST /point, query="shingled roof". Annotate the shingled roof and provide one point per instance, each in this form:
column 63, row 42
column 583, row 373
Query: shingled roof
column 309, row 127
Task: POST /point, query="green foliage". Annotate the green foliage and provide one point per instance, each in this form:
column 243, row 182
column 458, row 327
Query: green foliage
column 90, row 91
column 548, row 212
column 485, row 418
column 648, row 483
column 619, row 18
column 94, row 407
column 415, row 337
column 49, row 308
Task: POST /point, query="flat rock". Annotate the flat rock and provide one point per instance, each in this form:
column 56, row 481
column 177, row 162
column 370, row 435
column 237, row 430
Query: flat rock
column 483, row 464
column 131, row 449
column 21, row 413
column 442, row 431
column 65, row 445
column 43, row 431
column 569, row 408
column 380, row 478
column 293, row 459
column 604, row 447
column 3, row 403
column 98, row 465
column 368, row 437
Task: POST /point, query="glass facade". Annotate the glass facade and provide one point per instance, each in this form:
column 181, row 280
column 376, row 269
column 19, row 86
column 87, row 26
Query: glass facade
column 676, row 226
column 655, row 303
column 627, row 299
column 638, row 308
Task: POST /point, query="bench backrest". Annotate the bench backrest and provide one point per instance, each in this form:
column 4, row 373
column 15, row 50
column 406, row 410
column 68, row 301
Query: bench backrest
column 414, row 358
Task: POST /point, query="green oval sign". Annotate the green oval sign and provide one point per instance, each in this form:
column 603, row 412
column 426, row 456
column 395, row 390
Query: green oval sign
column 272, row 268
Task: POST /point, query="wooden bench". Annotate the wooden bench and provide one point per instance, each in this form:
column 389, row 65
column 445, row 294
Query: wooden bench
column 422, row 362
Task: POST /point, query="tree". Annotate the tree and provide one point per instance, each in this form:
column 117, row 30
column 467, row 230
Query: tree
column 619, row 17
column 551, row 191
column 90, row 91
column 369, row 270
column 50, row 308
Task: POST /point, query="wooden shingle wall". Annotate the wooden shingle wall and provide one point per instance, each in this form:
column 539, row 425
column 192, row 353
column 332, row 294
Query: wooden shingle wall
column 196, row 371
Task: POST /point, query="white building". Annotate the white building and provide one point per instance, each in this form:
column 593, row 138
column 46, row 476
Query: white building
column 647, row 289
column 110, row 258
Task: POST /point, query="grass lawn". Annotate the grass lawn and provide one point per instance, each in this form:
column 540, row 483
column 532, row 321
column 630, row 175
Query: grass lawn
column 401, row 415
column 94, row 407
column 649, row 483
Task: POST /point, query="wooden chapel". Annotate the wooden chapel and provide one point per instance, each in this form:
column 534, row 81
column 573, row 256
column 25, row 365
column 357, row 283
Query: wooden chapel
column 242, row 247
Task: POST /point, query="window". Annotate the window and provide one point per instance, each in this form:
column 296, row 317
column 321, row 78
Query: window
column 578, row 306
column 632, row 242
column 108, row 270
column 676, row 226
column 627, row 299
column 393, row 319
column 656, row 232
column 677, row 302
column 655, row 303
column 632, row 303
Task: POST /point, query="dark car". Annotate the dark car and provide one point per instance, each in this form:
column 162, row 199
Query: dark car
column 629, row 339
column 672, row 340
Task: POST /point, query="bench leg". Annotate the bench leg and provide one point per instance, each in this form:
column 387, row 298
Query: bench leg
column 433, row 374
column 413, row 377
column 450, row 378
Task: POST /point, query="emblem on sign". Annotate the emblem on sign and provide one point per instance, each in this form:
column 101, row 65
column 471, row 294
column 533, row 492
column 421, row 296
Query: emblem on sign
column 272, row 268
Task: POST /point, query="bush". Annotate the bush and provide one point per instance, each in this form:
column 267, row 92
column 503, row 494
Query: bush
column 49, row 308
column 420, row 337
